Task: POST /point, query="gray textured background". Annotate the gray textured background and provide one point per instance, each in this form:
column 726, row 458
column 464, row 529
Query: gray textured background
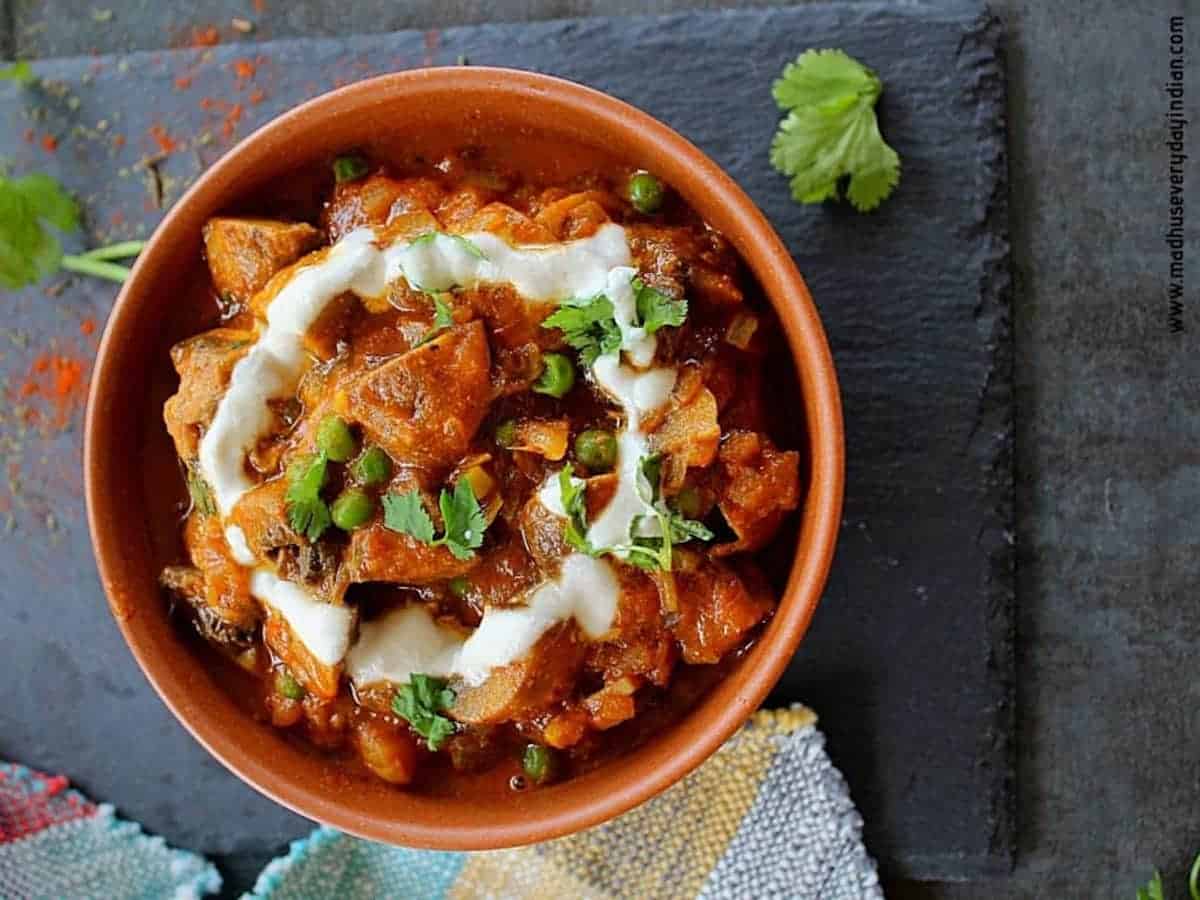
column 1106, row 497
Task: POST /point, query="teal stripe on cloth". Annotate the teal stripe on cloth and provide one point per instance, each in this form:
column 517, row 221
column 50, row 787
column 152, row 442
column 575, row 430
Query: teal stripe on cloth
column 101, row 857
column 329, row 864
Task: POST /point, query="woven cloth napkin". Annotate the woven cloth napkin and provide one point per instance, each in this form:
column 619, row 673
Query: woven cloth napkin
column 768, row 816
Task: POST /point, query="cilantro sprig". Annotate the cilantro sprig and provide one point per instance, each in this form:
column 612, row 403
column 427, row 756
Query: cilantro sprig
column 656, row 552
column 20, row 72
column 443, row 318
column 462, row 519
column 830, row 131
column 29, row 251
column 573, row 494
column 589, row 324
column 649, row 552
column 419, row 703
column 307, row 513
column 1153, row 889
column 656, row 309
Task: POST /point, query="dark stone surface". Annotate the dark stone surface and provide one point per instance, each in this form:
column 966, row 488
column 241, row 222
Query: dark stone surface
column 908, row 662
column 1106, row 510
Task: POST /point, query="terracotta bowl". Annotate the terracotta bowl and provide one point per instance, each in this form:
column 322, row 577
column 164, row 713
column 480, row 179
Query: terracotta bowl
column 133, row 482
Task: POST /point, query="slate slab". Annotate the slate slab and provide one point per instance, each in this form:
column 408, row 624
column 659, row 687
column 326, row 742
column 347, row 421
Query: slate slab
column 909, row 659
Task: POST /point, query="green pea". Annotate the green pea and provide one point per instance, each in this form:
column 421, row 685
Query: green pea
column 335, row 438
column 351, row 509
column 596, row 449
column 506, row 433
column 459, row 586
column 687, row 502
column 287, row 686
column 645, row 192
column 557, row 377
column 539, row 763
column 349, row 168
column 373, row 467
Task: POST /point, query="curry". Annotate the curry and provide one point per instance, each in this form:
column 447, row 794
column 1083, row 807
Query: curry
column 478, row 465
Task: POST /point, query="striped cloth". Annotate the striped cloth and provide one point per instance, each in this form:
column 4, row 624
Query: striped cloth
column 768, row 816
column 55, row 843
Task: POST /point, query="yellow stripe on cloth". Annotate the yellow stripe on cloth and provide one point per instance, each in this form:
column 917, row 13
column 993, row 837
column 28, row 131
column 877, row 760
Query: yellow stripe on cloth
column 675, row 839
column 516, row 873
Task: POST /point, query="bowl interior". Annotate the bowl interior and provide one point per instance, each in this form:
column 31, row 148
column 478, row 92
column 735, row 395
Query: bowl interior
column 134, row 488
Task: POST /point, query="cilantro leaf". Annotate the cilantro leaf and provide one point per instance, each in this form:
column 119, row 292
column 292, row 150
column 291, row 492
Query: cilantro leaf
column 466, row 243
column 28, row 251
column 650, row 469
column 656, row 309
column 443, row 318
column 202, row 498
column 48, row 200
column 650, row 552
column 405, row 513
column 419, row 703
column 646, row 555
column 684, row 529
column 588, row 325
column 1153, row 889
column 307, row 512
column 674, row 527
column 20, row 72
column 462, row 519
column 574, row 503
column 831, row 132
column 469, row 245
column 443, row 315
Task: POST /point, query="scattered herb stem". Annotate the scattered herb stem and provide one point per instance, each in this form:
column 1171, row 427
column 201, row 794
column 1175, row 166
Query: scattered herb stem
column 92, row 265
column 35, row 206
column 122, row 250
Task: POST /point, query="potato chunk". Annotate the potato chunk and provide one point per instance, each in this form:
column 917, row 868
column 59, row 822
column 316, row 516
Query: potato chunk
column 243, row 254
column 318, row 678
column 716, row 606
column 387, row 750
column 367, row 201
column 509, row 224
column 690, row 431
column 545, row 675
column 640, row 644
column 759, row 484
column 204, row 363
column 226, row 584
column 379, row 554
column 424, row 407
column 577, row 215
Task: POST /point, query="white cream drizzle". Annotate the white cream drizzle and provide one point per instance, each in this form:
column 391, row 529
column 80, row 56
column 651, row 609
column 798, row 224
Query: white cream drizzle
column 408, row 640
column 637, row 393
column 273, row 366
column 240, row 550
column 322, row 627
